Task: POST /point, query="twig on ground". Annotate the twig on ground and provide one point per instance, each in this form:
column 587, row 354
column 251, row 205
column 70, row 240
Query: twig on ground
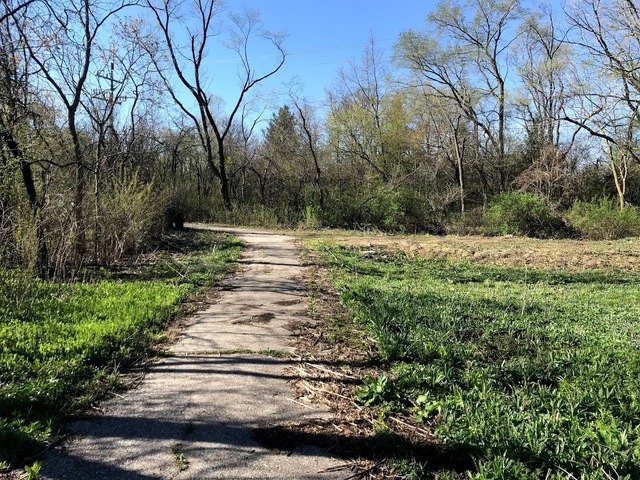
column 364, row 472
column 418, row 430
column 300, row 403
column 328, row 370
column 313, row 390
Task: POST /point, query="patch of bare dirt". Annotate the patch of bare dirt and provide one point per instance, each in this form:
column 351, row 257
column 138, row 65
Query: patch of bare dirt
column 13, row 475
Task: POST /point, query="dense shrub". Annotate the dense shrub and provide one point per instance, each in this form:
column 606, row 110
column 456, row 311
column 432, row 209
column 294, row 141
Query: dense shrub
column 7, row 240
column 254, row 215
column 386, row 209
column 311, row 218
column 132, row 213
column 516, row 213
column 604, row 220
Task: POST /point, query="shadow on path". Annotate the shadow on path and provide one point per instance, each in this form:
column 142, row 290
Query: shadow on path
column 195, row 415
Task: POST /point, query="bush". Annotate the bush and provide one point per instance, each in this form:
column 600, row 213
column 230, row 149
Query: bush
column 311, row 218
column 25, row 239
column 133, row 212
column 7, row 239
column 604, row 220
column 516, row 213
column 386, row 209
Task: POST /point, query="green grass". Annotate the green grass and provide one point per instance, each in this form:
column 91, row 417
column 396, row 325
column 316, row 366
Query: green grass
column 62, row 344
column 528, row 373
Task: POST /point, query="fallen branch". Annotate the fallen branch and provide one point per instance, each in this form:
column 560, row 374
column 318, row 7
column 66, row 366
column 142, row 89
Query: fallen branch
column 418, row 430
column 317, row 340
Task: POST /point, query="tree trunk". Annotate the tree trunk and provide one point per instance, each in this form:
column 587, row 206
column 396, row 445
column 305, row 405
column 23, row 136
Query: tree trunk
column 620, row 180
column 224, row 181
column 42, row 264
column 619, row 173
column 460, row 178
column 36, row 208
column 78, row 204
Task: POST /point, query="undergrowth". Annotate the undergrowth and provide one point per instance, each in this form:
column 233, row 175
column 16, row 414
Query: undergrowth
column 529, row 373
column 63, row 344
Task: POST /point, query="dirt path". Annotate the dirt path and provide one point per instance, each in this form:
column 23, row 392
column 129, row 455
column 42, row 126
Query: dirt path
column 194, row 414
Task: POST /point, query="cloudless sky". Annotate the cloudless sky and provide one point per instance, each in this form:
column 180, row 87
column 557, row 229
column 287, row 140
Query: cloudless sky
column 322, row 37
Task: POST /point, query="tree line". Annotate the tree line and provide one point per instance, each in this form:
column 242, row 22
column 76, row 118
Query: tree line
column 111, row 127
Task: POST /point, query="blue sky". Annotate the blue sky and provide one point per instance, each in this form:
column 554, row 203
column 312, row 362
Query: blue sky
column 326, row 35
column 322, row 37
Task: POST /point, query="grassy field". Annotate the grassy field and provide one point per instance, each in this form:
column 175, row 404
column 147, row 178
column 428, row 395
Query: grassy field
column 63, row 344
column 520, row 368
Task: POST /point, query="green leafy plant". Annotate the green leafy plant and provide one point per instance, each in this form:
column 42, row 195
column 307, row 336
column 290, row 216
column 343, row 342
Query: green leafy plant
column 33, row 470
column 374, row 391
column 426, row 407
column 526, row 370
column 603, row 219
column 311, row 218
column 516, row 213
column 180, row 460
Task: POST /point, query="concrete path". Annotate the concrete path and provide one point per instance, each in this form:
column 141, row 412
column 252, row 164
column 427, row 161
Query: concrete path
column 194, row 414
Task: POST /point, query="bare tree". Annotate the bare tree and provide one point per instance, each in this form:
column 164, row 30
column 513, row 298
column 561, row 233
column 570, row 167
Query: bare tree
column 449, row 123
column 11, row 9
column 310, row 129
column 545, row 66
column 188, row 64
column 244, row 147
column 16, row 114
column 367, row 121
column 120, row 80
column 545, row 63
column 464, row 59
column 608, row 33
column 61, row 39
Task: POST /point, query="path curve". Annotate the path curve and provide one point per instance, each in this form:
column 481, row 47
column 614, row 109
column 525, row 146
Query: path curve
column 202, row 402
